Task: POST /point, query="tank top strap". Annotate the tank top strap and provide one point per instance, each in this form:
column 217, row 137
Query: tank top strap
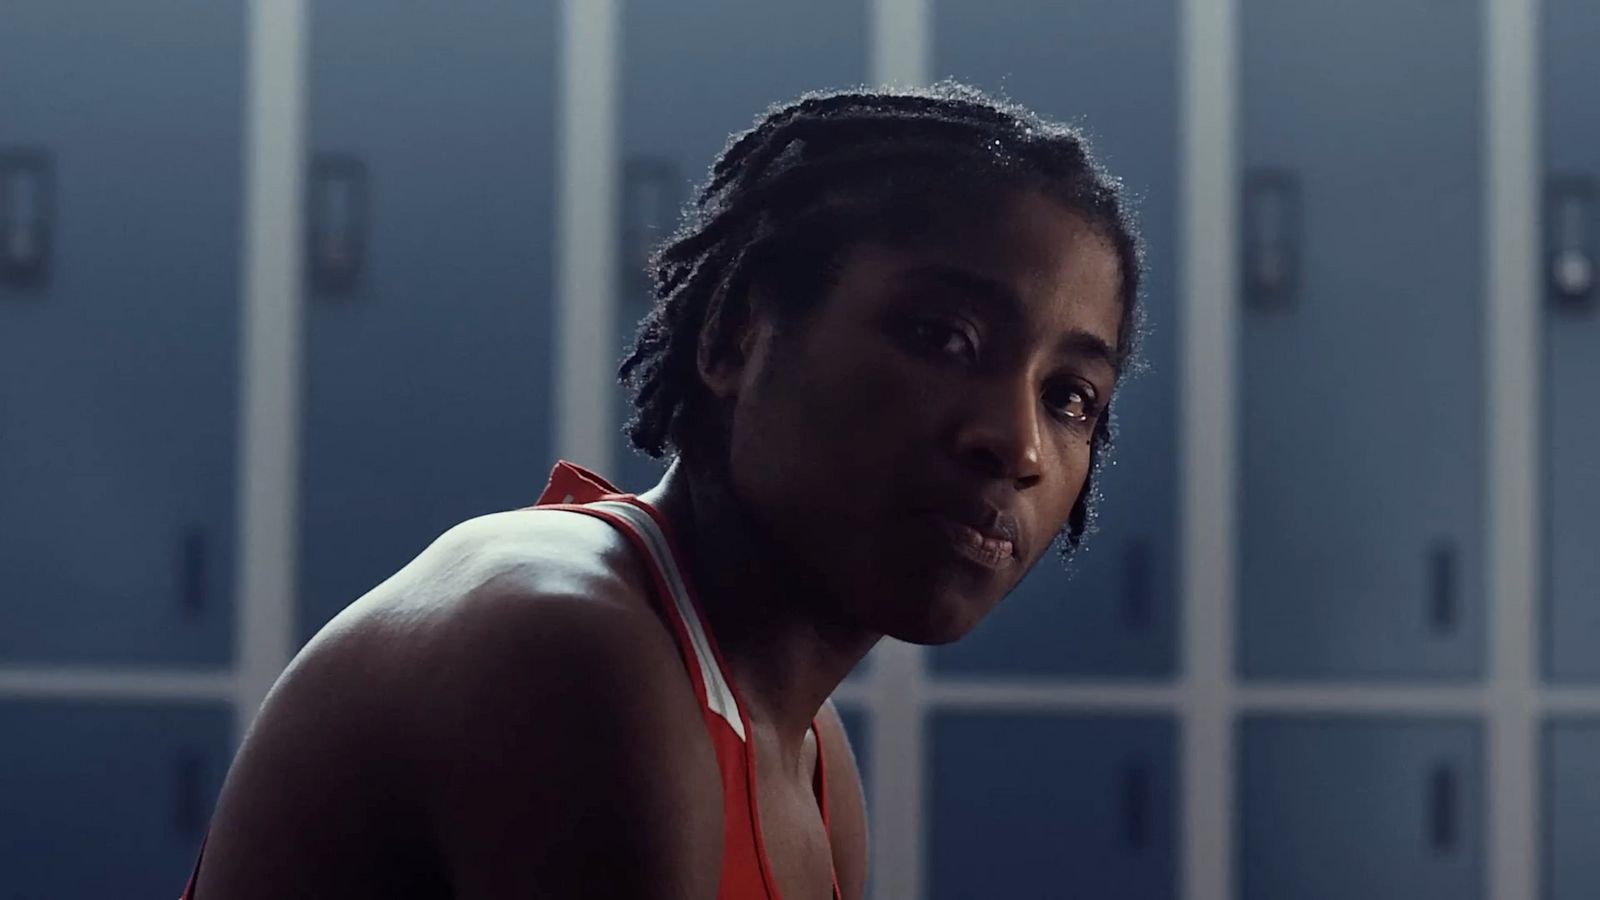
column 576, row 489
column 572, row 483
column 641, row 524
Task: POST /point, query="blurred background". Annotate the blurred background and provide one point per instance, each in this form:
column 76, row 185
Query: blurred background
column 288, row 287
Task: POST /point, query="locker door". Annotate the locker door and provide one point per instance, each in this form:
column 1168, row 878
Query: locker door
column 1361, row 362
column 856, row 721
column 106, row 800
column 694, row 72
column 1572, row 339
column 1113, row 612
column 119, row 244
column 428, row 291
column 1050, row 806
column 1571, row 807
column 1335, row 809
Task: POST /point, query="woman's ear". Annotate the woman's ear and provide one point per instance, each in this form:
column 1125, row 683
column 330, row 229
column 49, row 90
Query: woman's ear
column 726, row 341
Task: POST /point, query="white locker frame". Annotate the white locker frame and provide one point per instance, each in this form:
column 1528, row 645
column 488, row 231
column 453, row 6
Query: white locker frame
column 1207, row 698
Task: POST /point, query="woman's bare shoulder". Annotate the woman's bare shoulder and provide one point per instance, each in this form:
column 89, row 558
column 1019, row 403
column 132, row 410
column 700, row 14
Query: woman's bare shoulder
column 516, row 661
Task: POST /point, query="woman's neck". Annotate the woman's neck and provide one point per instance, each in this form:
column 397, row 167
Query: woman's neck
column 778, row 630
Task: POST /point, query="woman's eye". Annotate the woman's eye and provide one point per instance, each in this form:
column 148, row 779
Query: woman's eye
column 1071, row 402
column 944, row 339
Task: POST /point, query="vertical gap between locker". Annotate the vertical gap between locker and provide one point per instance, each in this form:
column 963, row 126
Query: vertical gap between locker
column 269, row 424
column 1207, row 331
column 901, row 48
column 1511, row 233
column 586, row 233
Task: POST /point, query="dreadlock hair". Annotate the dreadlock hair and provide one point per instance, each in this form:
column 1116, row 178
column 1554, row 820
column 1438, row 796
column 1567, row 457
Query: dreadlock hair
column 812, row 178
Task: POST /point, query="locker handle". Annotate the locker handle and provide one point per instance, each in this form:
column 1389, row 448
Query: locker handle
column 1443, row 809
column 1271, row 245
column 27, row 217
column 337, row 224
column 1571, row 214
column 1443, row 576
column 652, row 195
column 193, row 575
column 1136, row 802
column 1136, row 593
column 188, row 795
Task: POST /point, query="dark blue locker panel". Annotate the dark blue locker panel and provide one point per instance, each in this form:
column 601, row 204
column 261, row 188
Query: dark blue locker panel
column 1051, row 806
column 106, row 800
column 855, row 720
column 1113, row 611
column 1361, row 345
column 1338, row 809
column 1571, row 32
column 429, row 279
column 856, row 727
column 694, row 72
column 120, row 149
column 1571, row 809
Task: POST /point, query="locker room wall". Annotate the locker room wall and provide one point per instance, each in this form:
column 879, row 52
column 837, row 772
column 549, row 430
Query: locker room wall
column 1050, row 748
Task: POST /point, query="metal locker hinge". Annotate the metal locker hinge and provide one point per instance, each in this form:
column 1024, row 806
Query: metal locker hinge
column 1443, row 586
column 1444, row 809
column 1136, row 805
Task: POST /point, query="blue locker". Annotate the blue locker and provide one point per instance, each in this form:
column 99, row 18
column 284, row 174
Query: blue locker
column 120, row 148
column 1571, row 139
column 1571, row 808
column 1051, row 806
column 106, row 799
column 1113, row 612
column 1338, row 809
column 694, row 72
column 1361, row 345
column 856, row 721
column 428, row 325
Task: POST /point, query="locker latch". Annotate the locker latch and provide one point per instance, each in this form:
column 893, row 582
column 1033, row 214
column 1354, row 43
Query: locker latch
column 27, row 209
column 336, row 224
column 652, row 193
column 1271, row 248
column 1570, row 240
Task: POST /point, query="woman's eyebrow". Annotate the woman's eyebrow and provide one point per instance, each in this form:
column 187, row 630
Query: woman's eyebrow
column 1087, row 344
column 966, row 282
column 1077, row 342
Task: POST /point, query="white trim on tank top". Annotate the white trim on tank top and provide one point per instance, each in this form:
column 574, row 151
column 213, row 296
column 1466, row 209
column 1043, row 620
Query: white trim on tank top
column 719, row 697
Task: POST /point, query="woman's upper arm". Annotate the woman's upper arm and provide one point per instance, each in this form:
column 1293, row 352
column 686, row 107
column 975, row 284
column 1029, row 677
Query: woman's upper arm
column 308, row 805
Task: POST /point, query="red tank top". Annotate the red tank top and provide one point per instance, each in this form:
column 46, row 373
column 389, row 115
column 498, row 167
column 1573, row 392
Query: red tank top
column 746, row 874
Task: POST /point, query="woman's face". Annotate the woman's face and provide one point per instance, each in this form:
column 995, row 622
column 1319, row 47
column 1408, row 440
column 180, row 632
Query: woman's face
column 916, row 441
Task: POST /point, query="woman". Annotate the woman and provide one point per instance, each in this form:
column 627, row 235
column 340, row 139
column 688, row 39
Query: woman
column 881, row 357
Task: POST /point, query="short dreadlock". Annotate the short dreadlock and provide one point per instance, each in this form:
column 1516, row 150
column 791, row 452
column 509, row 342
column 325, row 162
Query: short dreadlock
column 817, row 175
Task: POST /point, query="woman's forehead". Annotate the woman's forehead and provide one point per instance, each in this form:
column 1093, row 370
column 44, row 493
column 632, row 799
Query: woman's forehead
column 1042, row 258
